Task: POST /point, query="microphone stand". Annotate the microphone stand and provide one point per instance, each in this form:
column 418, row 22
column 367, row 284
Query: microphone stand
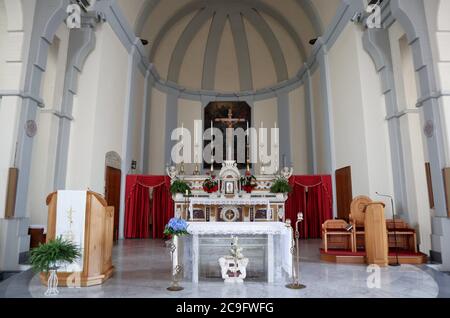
column 397, row 263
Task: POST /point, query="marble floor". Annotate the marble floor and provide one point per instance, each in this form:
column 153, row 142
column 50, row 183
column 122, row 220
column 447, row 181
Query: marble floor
column 142, row 270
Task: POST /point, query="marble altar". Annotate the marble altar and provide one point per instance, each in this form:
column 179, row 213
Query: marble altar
column 266, row 244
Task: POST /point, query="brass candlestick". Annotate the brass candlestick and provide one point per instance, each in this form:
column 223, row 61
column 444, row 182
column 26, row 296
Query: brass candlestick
column 295, row 250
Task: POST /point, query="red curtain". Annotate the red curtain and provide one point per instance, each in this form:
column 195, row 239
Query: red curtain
column 313, row 196
column 138, row 206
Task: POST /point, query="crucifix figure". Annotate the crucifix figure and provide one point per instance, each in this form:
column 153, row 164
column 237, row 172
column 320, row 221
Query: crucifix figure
column 230, row 122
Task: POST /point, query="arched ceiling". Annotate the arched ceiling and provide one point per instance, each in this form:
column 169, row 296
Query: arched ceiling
column 229, row 45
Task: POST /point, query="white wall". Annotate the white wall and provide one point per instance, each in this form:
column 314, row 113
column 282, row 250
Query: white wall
column 42, row 172
column 299, row 133
column 412, row 137
column 138, row 110
column 188, row 111
column 98, row 112
column 158, row 136
column 360, row 127
column 265, row 111
column 319, row 124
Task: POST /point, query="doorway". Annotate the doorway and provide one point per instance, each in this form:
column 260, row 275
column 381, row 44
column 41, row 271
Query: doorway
column 113, row 176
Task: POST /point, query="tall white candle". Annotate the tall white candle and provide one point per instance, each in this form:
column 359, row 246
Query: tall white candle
column 212, row 142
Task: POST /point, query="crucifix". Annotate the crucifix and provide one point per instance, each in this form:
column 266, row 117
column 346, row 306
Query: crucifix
column 230, row 121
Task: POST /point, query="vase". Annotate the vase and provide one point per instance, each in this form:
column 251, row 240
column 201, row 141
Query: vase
column 52, row 282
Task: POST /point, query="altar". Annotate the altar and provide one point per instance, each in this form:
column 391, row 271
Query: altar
column 265, row 244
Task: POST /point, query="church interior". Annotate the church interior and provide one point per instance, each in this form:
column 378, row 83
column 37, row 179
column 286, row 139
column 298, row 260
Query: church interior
column 225, row 148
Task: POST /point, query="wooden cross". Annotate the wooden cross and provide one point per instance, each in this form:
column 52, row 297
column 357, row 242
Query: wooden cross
column 230, row 121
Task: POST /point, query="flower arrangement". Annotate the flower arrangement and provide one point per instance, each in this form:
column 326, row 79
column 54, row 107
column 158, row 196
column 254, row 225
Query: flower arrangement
column 281, row 185
column 211, row 185
column 248, row 182
column 47, row 256
column 176, row 227
column 180, row 186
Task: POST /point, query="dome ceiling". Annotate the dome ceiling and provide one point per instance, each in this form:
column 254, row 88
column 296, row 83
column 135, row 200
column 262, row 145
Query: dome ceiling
column 229, row 45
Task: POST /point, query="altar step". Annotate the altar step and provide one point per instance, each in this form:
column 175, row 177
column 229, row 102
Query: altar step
column 348, row 257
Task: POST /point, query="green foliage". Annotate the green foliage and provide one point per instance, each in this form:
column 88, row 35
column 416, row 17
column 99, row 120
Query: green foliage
column 179, row 186
column 43, row 257
column 248, row 181
column 281, row 185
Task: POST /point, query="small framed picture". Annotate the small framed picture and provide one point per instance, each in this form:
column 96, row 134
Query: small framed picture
column 229, row 187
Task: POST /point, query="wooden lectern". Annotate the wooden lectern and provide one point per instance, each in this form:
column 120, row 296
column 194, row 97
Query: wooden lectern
column 376, row 234
column 98, row 240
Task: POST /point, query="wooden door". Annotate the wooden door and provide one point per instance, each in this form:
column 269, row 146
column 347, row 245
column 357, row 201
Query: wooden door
column 344, row 192
column 112, row 195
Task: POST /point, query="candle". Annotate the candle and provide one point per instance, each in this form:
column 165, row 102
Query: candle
column 276, row 134
column 212, row 143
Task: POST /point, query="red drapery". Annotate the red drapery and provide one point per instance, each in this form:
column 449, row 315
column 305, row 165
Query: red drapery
column 313, row 196
column 138, row 206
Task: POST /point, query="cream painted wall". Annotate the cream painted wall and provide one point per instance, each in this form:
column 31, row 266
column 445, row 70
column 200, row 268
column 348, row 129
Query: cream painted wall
column 263, row 69
column 349, row 129
column 294, row 60
column 167, row 45
column 319, row 124
column 265, row 111
column 327, row 10
column 299, row 134
column 131, row 9
column 227, row 72
column 192, row 68
column 3, row 44
column 158, row 138
column 297, row 18
column 188, row 111
column 42, row 172
column 138, row 109
column 98, row 112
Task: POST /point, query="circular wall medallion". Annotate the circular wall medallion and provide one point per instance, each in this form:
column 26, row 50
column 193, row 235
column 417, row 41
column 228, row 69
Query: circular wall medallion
column 229, row 214
column 31, row 128
column 429, row 129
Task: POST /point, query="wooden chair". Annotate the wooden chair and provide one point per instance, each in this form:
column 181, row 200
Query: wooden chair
column 406, row 236
column 337, row 228
column 357, row 217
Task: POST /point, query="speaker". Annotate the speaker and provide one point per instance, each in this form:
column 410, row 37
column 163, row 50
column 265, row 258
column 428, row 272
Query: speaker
column 13, row 176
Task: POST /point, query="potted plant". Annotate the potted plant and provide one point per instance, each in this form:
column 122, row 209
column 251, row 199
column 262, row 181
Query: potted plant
column 179, row 188
column 49, row 256
column 248, row 182
column 210, row 185
column 175, row 228
column 281, row 187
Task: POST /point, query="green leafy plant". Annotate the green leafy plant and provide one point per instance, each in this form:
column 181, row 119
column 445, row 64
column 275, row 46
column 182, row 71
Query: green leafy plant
column 179, row 186
column 48, row 255
column 281, row 185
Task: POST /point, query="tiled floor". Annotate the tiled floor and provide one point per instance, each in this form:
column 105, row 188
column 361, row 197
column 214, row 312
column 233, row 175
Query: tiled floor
column 142, row 270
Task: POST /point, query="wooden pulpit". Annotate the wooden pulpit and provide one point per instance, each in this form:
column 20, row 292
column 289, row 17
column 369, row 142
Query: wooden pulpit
column 85, row 218
column 376, row 239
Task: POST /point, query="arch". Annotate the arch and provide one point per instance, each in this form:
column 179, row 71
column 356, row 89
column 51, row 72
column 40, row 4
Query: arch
column 258, row 5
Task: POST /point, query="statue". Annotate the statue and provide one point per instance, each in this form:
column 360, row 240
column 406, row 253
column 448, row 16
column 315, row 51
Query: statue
column 234, row 266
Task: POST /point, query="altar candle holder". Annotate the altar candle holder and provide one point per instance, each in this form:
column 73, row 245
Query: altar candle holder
column 295, row 251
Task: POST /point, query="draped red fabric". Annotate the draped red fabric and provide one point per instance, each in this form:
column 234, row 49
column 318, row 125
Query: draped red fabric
column 138, row 206
column 313, row 196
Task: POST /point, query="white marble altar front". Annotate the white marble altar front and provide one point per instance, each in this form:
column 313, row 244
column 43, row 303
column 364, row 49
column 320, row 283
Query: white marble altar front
column 266, row 244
